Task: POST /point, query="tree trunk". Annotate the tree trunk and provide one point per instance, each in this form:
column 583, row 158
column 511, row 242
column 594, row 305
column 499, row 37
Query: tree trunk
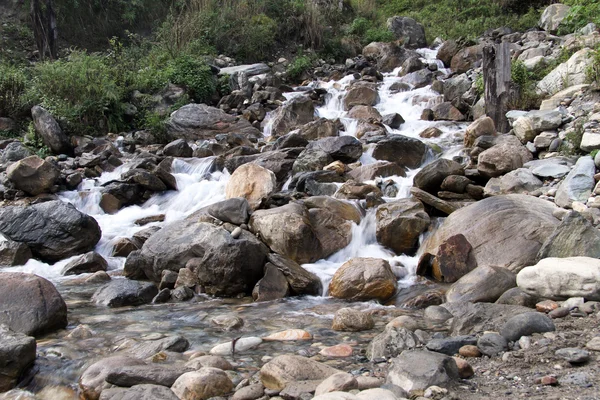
column 43, row 20
column 497, row 78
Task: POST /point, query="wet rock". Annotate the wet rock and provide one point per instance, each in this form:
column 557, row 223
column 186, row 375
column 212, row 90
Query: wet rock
column 578, row 184
column 341, row 381
column 227, row 266
column 186, row 278
column 209, row 361
column 149, row 347
column 355, row 191
column 433, row 201
column 300, row 280
column 199, row 121
column 14, row 253
column 332, row 229
column 123, row 247
column 252, row 182
column 575, row 236
column 32, row 175
column 562, row 278
column 483, row 284
column 378, row 169
column 430, row 177
column 311, row 160
column 454, row 259
column 319, row 129
column 339, row 350
column 273, row 285
column 363, row 279
column 287, row 231
column 50, row 131
column 408, row 30
column 466, row 59
column 235, row 210
column 391, row 342
column 518, row 297
column 361, row 94
column 448, row 49
column 31, row 304
column 125, row 292
column 520, row 222
column 480, row 127
column 202, row 384
column 446, row 112
column 400, row 223
column 417, row 370
column 450, row 345
column 525, row 325
column 250, row 392
column 53, row 230
column 346, row 149
column 178, row 148
column 573, row 355
column 351, row 320
column 241, row 345
column 292, row 115
column 492, row 344
column 92, row 381
column 418, row 79
column 136, row 392
column 17, row 353
column 163, row 296
column 144, row 374
column 394, row 120
column 281, row 370
column 405, row 151
column 150, row 219
column 228, row 322
column 182, row 293
column 87, row 263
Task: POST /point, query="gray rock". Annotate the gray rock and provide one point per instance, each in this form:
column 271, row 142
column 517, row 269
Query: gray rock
column 430, row 177
column 405, row 151
column 483, row 284
column 503, row 157
column 144, row 374
column 417, row 370
column 492, row 344
column 15, row 151
column 272, row 286
column 525, row 325
column 391, row 342
column 573, row 355
column 575, row 236
column 300, row 280
column 340, row 382
column 50, row 131
column 250, row 392
column 400, row 223
column 552, row 16
column 17, row 353
column 53, row 230
column 408, row 30
column 516, row 296
column 282, row 370
column 346, row 149
column 14, row 253
column 125, row 292
column 92, row 381
column 450, row 345
column 178, row 148
column 528, row 126
column 471, row 318
column 518, row 181
column 147, row 348
column 292, row 115
column 150, row 392
column 87, row 263
column 33, row 175
column 351, row 320
column 578, row 184
column 235, row 210
column 581, row 379
column 550, row 171
column 30, row 304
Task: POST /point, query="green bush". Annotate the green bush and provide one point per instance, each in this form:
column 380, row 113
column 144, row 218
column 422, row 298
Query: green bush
column 593, row 71
column 81, row 92
column 300, row 65
column 525, row 81
column 194, row 75
column 13, row 83
column 582, row 12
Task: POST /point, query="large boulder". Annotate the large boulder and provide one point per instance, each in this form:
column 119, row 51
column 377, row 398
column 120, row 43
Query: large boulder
column 363, row 279
column 252, row 182
column 552, row 16
column 361, row 94
column 475, row 318
column 482, row 126
column 528, row 126
column 346, row 149
column 575, row 236
column 321, row 128
column 53, row 230
column 578, row 184
column 561, row 278
column 431, row 176
column 203, row 384
column 235, row 210
column 33, row 175
column 226, row 266
column 418, row 369
column 508, row 155
column 387, row 55
column 14, row 151
column 520, row 180
column 467, row 58
column 17, row 353
column 483, row 284
column 407, row 30
column 448, row 49
column 300, row 281
column 30, row 304
column 405, row 151
column 292, row 115
column 284, row 369
column 570, row 73
column 199, row 121
column 302, row 235
column 50, row 132
column 92, row 381
column 400, row 223
column 519, row 222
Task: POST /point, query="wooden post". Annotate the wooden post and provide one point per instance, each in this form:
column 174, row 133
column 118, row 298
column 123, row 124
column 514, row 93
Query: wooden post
column 497, row 78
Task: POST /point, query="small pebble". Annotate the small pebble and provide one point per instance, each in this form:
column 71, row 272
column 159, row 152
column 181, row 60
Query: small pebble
column 546, row 306
column 560, row 312
column 547, row 380
column 594, row 344
column 237, row 232
column 469, row 351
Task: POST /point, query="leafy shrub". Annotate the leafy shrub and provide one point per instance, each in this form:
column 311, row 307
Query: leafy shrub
column 582, row 12
column 300, row 65
column 13, row 83
column 593, row 71
column 194, row 75
column 81, row 92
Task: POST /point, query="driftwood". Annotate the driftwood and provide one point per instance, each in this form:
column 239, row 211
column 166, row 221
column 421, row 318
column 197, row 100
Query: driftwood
column 497, row 83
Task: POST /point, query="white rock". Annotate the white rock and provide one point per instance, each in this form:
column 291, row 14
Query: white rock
column 590, row 141
column 376, row 394
column 570, row 73
column 336, row 396
column 562, row 278
column 243, row 344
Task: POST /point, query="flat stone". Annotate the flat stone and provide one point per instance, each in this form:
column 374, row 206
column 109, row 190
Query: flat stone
column 573, row 355
column 526, row 324
column 241, row 345
column 492, row 344
column 594, row 344
column 451, row 345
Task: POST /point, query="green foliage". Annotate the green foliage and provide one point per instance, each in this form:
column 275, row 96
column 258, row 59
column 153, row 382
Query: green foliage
column 572, row 141
column 81, row 92
column 582, row 12
column 594, row 152
column 479, row 85
column 13, row 82
column 300, row 65
column 194, row 75
column 593, row 71
column 34, row 142
column 223, row 86
column 369, row 31
column 525, row 83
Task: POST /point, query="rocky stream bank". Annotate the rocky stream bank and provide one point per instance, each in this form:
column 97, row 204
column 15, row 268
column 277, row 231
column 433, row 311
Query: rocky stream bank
column 367, row 235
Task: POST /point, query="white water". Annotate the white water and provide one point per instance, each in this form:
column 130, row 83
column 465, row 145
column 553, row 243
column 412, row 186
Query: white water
column 198, row 187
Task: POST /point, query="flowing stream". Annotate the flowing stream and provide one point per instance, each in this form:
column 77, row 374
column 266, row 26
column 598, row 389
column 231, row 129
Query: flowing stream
column 61, row 357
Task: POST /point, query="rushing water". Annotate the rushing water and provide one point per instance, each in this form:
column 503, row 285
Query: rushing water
column 62, row 358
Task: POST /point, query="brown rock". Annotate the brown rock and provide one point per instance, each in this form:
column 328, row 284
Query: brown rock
column 202, row 384
column 466, row 59
column 454, row 259
column 339, row 350
column 361, row 93
column 469, row 351
column 400, row 223
column 123, row 247
column 272, row 286
column 252, row 182
column 546, row 306
column 362, row 279
column 284, row 369
column 32, row 175
column 288, row 335
column 352, row 320
column 464, row 368
column 431, row 132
